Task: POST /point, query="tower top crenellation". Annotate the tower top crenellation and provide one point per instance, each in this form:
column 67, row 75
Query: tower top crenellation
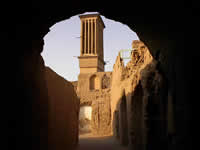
column 90, row 16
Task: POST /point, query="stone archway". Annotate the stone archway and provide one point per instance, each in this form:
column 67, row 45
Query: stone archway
column 154, row 31
column 94, row 82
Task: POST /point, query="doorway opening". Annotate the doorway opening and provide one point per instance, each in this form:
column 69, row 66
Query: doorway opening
column 85, row 116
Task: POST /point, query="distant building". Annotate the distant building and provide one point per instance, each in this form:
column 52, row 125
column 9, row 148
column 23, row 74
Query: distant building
column 93, row 87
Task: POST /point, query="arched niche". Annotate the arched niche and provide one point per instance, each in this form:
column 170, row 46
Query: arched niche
column 94, row 82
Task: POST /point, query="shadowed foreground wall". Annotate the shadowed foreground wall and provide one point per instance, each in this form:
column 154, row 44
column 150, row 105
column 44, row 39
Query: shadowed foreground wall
column 63, row 112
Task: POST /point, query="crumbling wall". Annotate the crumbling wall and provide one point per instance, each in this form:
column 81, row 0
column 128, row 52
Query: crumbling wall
column 98, row 99
column 147, row 95
column 63, row 112
column 116, row 85
column 101, row 116
column 127, row 78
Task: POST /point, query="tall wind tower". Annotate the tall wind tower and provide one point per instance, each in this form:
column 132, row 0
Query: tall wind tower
column 91, row 57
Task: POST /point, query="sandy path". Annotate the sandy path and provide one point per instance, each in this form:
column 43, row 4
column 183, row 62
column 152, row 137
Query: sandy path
column 88, row 142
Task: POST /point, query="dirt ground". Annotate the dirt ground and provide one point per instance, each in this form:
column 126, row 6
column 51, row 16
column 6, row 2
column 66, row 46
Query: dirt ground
column 90, row 142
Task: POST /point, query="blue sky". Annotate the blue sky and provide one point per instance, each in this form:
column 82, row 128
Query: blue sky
column 62, row 45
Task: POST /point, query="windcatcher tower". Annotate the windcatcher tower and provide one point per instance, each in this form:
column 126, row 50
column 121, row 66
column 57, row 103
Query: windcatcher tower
column 91, row 59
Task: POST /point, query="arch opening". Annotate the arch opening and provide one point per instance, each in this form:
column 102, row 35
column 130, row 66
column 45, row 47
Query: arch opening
column 94, row 83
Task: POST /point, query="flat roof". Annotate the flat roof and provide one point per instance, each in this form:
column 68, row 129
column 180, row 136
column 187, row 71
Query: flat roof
column 93, row 15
